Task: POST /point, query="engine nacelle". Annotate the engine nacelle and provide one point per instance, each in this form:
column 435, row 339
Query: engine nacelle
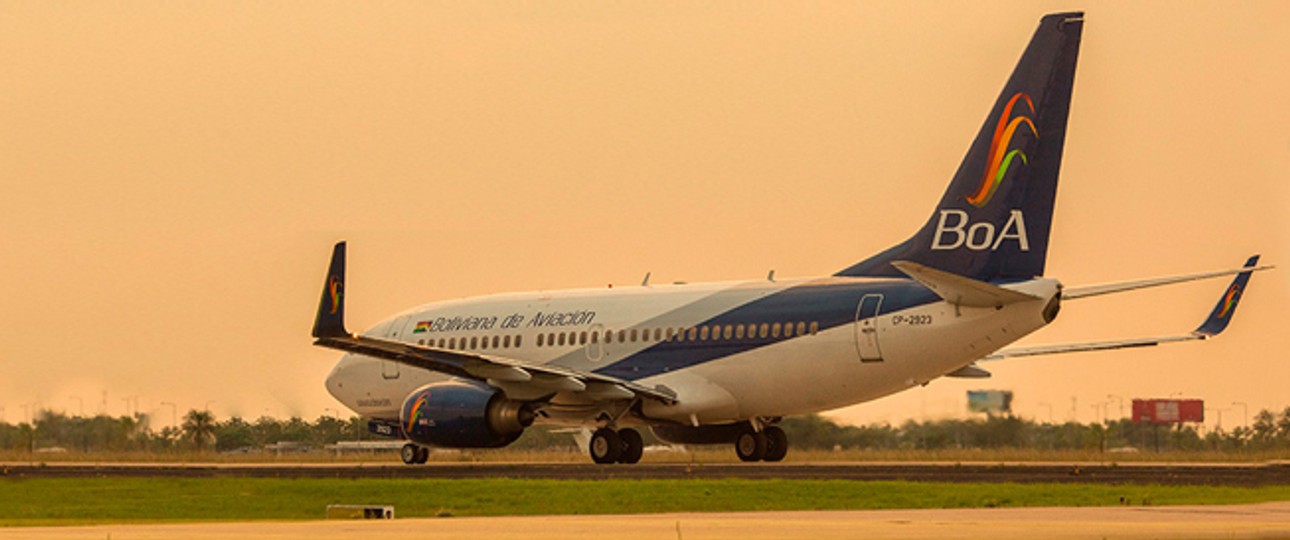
column 459, row 414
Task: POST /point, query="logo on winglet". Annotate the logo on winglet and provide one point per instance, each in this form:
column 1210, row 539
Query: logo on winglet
column 1229, row 300
column 335, row 288
column 1000, row 159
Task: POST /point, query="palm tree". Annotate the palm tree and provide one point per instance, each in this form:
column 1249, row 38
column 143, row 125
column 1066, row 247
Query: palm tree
column 199, row 428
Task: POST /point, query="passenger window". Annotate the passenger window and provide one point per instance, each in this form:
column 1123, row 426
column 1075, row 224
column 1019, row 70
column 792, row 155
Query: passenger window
column 739, row 331
column 474, row 342
column 788, row 329
column 763, row 330
column 609, row 336
column 633, row 335
column 506, row 342
column 519, row 341
column 539, row 341
column 671, row 334
column 452, row 343
column 560, row 338
column 483, row 342
column 801, row 328
column 595, row 337
column 774, row 330
column 815, row 328
column 582, row 338
column 622, row 336
column 727, row 332
column 703, row 333
column 692, row 333
column 421, row 342
column 658, row 334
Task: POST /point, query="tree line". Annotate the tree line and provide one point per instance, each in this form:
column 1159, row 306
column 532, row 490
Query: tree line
column 201, row 431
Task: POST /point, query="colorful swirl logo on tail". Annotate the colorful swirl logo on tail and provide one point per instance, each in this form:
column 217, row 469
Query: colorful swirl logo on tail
column 416, row 411
column 999, row 159
column 334, row 289
column 1229, row 301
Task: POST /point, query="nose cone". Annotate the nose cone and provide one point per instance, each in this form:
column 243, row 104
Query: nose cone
column 337, row 380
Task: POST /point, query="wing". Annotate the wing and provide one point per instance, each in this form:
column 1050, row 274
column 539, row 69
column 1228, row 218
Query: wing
column 1212, row 326
column 507, row 373
column 1108, row 288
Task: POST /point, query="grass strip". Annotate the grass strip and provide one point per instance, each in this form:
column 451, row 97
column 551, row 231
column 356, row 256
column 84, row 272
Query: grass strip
column 56, row 501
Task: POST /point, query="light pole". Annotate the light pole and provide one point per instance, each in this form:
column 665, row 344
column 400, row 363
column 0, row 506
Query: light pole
column 1245, row 414
column 174, row 413
column 1120, row 400
column 1050, row 411
column 1220, row 417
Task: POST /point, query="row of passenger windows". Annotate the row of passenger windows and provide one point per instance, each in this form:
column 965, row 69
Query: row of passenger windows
column 695, row 333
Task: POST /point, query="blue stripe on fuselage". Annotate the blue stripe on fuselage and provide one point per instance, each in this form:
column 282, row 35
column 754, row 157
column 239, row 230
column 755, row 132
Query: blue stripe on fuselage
column 831, row 304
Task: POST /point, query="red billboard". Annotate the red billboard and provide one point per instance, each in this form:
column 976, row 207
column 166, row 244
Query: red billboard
column 1168, row 411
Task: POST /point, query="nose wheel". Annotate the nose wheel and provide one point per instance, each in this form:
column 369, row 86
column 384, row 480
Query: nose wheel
column 621, row 446
column 413, row 454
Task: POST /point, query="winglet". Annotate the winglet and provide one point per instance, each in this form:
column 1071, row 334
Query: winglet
column 330, row 321
column 1226, row 306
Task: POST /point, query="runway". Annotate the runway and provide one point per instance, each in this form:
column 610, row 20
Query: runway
column 1271, row 520
column 1259, row 474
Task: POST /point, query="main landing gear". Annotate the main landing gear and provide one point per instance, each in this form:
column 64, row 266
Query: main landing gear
column 769, row 444
column 621, row 446
column 413, row 454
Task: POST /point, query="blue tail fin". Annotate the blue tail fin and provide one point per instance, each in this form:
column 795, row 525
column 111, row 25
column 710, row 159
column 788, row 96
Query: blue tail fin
column 993, row 221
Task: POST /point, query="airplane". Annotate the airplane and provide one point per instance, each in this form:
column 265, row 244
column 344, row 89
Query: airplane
column 723, row 363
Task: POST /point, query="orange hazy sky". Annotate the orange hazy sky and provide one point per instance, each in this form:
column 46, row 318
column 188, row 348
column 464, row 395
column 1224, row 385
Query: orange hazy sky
column 174, row 174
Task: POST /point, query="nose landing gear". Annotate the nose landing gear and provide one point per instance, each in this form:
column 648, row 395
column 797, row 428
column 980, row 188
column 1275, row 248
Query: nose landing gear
column 413, row 454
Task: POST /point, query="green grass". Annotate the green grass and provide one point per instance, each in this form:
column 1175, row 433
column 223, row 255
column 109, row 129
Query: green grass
column 113, row 500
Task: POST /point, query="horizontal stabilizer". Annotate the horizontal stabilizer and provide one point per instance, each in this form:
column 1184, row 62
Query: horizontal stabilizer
column 959, row 290
column 969, row 371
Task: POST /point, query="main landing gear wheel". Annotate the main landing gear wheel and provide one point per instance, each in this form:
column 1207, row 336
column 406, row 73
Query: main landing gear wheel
column 633, row 446
column 606, row 446
column 751, row 445
column 776, row 443
column 423, row 454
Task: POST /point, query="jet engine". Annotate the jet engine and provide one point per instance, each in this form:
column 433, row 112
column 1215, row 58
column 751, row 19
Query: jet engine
column 461, row 414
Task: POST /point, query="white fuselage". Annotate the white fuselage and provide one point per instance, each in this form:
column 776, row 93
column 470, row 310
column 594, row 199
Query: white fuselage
column 729, row 351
